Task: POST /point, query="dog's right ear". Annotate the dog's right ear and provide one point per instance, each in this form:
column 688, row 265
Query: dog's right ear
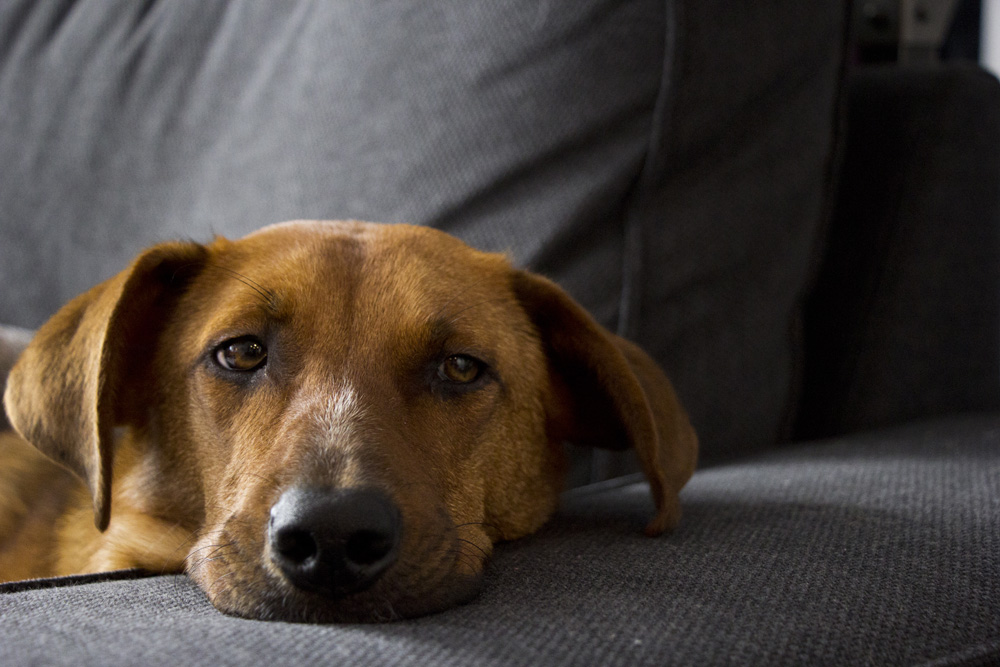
column 67, row 391
column 611, row 394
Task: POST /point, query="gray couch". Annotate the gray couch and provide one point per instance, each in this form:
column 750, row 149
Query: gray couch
column 811, row 250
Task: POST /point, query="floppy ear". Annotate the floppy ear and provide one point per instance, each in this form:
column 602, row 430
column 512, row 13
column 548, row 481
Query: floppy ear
column 67, row 391
column 611, row 394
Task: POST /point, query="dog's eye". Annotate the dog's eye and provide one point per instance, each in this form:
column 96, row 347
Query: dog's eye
column 460, row 369
column 241, row 354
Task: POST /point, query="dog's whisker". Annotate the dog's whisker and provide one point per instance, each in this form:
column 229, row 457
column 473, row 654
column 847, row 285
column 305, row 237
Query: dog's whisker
column 221, row 557
column 454, row 317
column 269, row 297
column 192, row 537
column 476, row 546
column 480, row 556
column 215, row 547
column 220, row 548
column 443, row 309
column 216, row 581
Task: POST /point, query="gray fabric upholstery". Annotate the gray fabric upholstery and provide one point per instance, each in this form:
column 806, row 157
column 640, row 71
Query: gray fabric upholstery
column 12, row 341
column 126, row 123
column 673, row 186
column 904, row 319
column 882, row 549
column 734, row 197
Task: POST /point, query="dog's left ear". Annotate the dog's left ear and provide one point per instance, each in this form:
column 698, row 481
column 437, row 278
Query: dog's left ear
column 609, row 393
column 74, row 382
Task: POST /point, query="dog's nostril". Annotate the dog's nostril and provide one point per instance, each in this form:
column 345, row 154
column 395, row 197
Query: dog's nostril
column 334, row 541
column 297, row 546
column 366, row 547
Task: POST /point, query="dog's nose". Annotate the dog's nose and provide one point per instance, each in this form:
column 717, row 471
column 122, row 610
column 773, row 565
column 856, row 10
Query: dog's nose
column 334, row 541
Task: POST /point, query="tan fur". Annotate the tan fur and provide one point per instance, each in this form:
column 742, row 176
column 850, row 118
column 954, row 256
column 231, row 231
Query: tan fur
column 178, row 464
column 34, row 493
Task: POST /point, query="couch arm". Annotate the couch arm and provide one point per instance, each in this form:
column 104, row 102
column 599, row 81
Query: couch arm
column 904, row 319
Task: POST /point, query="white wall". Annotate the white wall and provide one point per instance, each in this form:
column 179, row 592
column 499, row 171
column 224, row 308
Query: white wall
column 990, row 42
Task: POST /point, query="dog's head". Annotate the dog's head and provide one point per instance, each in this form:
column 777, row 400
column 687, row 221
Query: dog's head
column 347, row 415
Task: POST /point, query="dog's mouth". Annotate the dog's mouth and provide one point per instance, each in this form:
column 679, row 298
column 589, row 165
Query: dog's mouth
column 240, row 587
column 376, row 605
column 330, row 555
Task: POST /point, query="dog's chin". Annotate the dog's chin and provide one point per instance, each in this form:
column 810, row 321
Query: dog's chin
column 271, row 598
column 380, row 604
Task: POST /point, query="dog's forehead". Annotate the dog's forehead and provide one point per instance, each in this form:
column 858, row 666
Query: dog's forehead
column 390, row 273
column 380, row 254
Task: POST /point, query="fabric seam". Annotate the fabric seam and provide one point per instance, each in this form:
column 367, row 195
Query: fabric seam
column 633, row 264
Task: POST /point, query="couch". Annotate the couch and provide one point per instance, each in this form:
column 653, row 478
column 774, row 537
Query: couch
column 810, row 248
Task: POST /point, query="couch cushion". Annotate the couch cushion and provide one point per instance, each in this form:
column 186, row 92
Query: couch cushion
column 665, row 161
column 903, row 322
column 880, row 549
column 12, row 341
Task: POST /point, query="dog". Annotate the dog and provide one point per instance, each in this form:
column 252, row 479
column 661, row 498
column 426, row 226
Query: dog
column 319, row 422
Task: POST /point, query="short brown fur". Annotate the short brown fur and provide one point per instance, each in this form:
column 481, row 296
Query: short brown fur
column 169, row 464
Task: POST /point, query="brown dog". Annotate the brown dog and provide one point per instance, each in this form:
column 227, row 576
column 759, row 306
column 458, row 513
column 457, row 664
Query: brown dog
column 322, row 421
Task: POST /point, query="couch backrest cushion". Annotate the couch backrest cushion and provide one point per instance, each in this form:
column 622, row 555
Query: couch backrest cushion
column 903, row 322
column 665, row 161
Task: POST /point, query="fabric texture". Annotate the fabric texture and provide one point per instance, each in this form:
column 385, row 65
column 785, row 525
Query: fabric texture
column 904, row 319
column 12, row 341
column 672, row 186
column 735, row 193
column 882, row 549
column 126, row 123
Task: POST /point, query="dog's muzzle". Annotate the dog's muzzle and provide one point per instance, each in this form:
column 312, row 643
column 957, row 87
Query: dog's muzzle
column 332, row 541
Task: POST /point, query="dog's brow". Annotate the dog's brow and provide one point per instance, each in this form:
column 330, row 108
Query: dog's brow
column 439, row 331
column 269, row 297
